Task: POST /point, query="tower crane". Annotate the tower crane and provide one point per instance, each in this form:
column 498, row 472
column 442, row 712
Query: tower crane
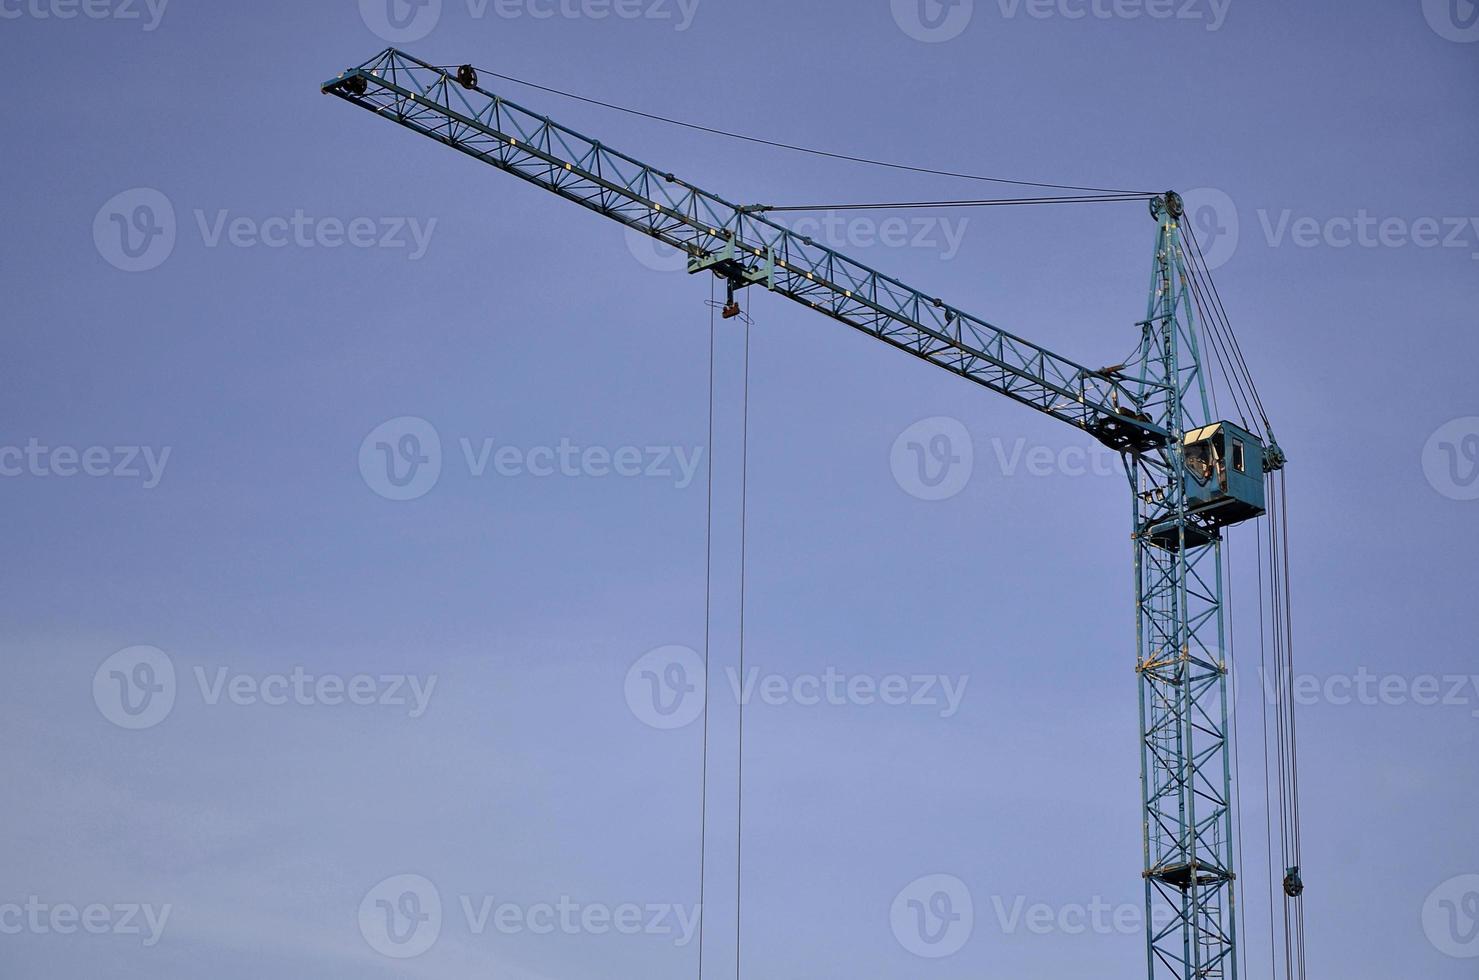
column 1191, row 474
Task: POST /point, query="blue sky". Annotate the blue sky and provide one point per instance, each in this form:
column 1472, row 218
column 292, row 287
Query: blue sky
column 229, row 298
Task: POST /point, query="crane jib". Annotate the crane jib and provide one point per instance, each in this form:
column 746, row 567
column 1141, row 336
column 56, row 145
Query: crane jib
column 741, row 246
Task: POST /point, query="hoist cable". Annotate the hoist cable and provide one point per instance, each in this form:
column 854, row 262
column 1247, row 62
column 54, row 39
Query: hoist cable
column 1219, row 330
column 703, row 846
column 1222, row 357
column 1276, row 622
column 1295, row 843
column 814, row 151
column 1210, row 342
column 1217, row 312
column 1222, row 309
column 1268, row 806
column 739, row 832
column 1230, row 607
column 1219, row 350
column 1280, row 708
column 970, row 203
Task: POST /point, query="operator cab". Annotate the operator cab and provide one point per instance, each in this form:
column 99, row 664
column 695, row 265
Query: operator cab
column 1224, row 475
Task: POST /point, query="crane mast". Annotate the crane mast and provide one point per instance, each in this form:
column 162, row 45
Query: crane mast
column 1191, row 475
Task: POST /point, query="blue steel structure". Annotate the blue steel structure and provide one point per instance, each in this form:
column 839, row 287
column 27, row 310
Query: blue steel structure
column 1191, row 476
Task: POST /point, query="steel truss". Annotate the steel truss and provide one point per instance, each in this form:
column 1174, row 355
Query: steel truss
column 1186, row 771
